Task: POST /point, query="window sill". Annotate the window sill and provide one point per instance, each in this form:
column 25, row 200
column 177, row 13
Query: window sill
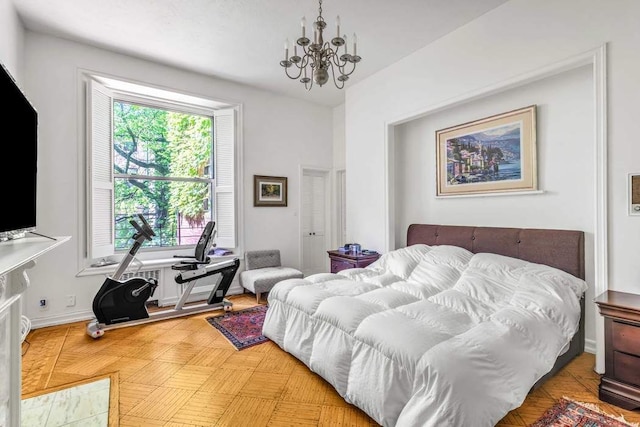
column 148, row 264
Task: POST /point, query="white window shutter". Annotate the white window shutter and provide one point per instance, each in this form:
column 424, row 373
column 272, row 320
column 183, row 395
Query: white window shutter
column 100, row 218
column 224, row 134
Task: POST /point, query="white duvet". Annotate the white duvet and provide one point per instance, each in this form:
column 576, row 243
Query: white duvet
column 429, row 335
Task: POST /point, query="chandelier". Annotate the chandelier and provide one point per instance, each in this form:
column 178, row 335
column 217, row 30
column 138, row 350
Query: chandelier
column 319, row 58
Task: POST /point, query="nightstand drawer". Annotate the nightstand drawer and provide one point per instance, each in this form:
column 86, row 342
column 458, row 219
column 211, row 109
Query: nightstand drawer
column 337, row 265
column 626, row 368
column 626, row 338
column 620, row 384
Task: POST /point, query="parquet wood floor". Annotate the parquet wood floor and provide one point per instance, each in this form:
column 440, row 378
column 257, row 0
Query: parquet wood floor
column 183, row 372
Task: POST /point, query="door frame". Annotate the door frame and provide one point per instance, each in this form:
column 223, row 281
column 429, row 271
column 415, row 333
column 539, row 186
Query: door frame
column 326, row 173
column 340, row 208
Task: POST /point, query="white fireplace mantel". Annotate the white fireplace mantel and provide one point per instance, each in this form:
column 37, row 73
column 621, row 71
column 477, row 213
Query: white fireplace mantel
column 16, row 257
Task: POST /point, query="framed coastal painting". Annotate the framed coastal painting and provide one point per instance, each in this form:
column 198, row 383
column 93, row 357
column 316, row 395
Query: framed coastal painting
column 269, row 190
column 495, row 154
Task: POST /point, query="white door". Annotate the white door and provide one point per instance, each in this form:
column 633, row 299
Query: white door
column 314, row 221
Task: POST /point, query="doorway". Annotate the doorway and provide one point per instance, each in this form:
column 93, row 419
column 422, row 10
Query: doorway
column 315, row 227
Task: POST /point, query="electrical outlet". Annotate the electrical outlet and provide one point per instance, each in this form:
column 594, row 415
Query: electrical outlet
column 71, row 300
column 43, row 303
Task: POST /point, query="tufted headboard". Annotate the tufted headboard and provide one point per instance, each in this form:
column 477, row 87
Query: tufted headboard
column 562, row 249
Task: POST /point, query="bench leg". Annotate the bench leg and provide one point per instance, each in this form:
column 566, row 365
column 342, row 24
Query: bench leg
column 258, row 294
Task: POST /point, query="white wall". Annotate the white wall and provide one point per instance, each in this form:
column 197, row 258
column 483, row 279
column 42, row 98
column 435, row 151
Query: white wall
column 339, row 161
column 11, row 40
column 339, row 164
column 280, row 134
column 564, row 147
column 514, row 39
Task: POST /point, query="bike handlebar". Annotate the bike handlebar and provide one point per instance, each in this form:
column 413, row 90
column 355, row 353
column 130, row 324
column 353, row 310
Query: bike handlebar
column 145, row 230
column 146, row 225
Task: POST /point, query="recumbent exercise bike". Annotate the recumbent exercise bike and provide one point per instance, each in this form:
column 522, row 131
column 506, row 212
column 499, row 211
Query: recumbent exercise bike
column 121, row 303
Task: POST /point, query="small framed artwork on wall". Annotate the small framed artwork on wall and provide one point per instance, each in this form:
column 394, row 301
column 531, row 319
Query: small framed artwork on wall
column 269, row 190
column 634, row 193
column 495, row 154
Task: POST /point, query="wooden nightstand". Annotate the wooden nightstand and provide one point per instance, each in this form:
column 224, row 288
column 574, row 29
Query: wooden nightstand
column 343, row 260
column 620, row 384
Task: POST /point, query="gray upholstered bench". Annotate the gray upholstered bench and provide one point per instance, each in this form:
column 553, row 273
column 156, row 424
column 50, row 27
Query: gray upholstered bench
column 263, row 270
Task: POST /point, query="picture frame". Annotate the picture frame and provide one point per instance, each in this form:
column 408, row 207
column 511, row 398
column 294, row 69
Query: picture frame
column 269, row 190
column 633, row 192
column 496, row 154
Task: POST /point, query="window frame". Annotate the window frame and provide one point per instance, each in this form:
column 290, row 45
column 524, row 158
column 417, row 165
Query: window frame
column 173, row 100
column 128, row 98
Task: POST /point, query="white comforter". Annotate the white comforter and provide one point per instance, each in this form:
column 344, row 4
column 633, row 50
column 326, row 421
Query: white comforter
column 429, row 335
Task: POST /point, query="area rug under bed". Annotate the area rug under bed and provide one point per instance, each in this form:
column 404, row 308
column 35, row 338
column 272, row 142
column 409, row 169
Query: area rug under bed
column 243, row 328
column 568, row 412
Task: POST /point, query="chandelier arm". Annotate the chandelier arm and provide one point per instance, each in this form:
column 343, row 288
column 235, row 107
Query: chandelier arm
column 353, row 68
column 338, row 62
column 304, row 62
column 305, row 50
column 333, row 76
column 308, row 85
column 305, row 67
column 286, row 71
column 331, row 55
column 342, row 65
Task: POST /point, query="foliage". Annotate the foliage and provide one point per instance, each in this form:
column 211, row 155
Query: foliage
column 151, row 142
column 191, row 153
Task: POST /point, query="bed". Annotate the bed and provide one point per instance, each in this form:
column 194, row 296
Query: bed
column 454, row 329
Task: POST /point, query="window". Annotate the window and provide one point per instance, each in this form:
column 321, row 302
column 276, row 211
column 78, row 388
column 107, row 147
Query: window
column 167, row 156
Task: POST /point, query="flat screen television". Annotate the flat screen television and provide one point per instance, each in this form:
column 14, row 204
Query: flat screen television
column 20, row 159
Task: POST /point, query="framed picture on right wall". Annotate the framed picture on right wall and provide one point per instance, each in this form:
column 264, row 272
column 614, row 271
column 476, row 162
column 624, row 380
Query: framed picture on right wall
column 495, row 154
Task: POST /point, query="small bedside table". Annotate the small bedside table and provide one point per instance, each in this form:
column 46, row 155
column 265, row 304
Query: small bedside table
column 620, row 384
column 343, row 260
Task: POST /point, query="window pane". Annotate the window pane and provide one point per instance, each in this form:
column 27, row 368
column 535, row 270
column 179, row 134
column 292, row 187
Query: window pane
column 176, row 211
column 156, row 142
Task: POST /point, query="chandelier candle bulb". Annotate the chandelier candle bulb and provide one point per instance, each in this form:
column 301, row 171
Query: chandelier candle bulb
column 355, row 41
column 286, row 49
column 303, row 23
column 338, row 26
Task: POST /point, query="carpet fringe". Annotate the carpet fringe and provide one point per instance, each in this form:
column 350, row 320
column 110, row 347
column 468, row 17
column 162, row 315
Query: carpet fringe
column 594, row 407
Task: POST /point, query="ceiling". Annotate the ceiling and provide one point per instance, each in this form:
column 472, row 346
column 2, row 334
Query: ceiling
column 243, row 40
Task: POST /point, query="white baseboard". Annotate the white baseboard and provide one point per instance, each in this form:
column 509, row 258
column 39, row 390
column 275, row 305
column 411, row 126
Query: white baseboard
column 78, row 316
column 590, row 346
column 61, row 319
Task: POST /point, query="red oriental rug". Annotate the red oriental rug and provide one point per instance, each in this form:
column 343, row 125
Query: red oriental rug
column 569, row 413
column 243, row 328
